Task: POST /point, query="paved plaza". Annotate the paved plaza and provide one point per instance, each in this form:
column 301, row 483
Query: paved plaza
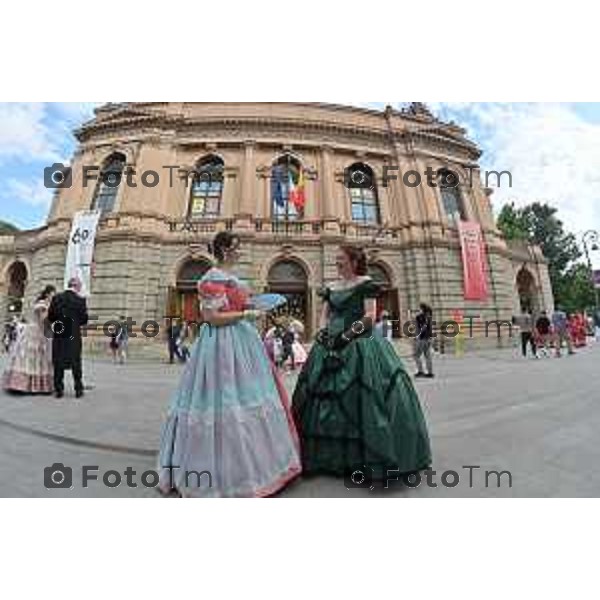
column 539, row 420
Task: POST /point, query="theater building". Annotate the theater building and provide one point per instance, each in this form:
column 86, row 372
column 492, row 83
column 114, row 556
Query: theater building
column 276, row 174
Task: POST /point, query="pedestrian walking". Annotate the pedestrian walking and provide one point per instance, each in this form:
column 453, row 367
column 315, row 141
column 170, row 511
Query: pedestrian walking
column 123, row 341
column 173, row 333
column 287, row 342
column 562, row 335
column 423, row 342
column 526, row 325
column 182, row 348
column 383, row 326
column 543, row 330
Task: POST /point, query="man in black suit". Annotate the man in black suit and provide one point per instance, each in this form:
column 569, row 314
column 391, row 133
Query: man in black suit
column 67, row 315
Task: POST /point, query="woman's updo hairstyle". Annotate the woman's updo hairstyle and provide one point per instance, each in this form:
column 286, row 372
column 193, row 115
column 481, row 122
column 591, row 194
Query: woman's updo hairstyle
column 223, row 241
column 358, row 258
column 46, row 293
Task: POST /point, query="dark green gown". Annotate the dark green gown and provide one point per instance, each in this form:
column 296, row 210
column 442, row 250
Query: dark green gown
column 358, row 407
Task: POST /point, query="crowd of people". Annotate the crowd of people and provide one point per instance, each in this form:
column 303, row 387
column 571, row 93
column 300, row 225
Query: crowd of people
column 545, row 335
column 283, row 337
column 354, row 405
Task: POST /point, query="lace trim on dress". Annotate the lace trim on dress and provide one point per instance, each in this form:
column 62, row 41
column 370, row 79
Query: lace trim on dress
column 344, row 285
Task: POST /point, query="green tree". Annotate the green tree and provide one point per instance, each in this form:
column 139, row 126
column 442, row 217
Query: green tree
column 7, row 228
column 576, row 290
column 538, row 224
column 512, row 224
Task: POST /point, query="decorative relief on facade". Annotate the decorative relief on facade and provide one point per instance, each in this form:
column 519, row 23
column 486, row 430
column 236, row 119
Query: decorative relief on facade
column 332, row 144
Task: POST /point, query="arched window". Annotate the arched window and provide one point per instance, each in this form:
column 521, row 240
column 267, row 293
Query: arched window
column 290, row 279
column 17, row 280
column 287, row 189
column 364, row 198
column 451, row 196
column 108, row 186
column 207, row 189
column 526, row 289
column 287, row 273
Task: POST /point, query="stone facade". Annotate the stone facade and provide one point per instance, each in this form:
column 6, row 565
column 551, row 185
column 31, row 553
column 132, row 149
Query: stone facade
column 145, row 240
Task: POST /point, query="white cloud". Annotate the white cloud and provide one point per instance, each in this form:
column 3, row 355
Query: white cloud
column 29, row 192
column 38, row 131
column 23, row 133
column 551, row 151
column 77, row 111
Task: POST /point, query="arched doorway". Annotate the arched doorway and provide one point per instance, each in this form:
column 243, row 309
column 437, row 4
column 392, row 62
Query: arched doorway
column 16, row 283
column 183, row 303
column 527, row 291
column 388, row 301
column 289, row 278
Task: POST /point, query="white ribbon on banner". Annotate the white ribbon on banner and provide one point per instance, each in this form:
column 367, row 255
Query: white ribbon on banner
column 80, row 250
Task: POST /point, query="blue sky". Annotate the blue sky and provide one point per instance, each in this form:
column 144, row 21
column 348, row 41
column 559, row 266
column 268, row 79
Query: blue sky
column 552, row 150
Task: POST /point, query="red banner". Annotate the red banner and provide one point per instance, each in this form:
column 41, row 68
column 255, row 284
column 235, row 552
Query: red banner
column 474, row 261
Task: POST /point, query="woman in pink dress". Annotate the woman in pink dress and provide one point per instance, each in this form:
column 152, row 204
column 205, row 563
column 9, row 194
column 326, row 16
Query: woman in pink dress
column 229, row 430
column 29, row 367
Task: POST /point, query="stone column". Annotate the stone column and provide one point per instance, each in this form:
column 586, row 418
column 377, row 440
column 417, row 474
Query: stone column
column 330, row 219
column 430, row 200
column 248, row 188
column 484, row 203
column 414, row 211
column 231, row 185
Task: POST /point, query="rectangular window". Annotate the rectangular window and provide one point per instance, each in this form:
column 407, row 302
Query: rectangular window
column 365, row 206
column 453, row 206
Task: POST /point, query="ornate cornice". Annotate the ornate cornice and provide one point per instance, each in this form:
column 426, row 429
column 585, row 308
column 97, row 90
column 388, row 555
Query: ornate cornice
column 144, row 120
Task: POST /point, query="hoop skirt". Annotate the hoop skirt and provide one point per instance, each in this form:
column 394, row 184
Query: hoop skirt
column 29, row 367
column 358, row 407
column 230, row 417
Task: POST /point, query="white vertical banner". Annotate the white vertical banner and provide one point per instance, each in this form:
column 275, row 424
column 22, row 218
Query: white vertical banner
column 80, row 250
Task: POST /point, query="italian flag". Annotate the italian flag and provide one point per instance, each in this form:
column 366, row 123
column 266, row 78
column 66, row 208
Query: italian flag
column 297, row 191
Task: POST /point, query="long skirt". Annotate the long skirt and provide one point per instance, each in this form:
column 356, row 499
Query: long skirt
column 29, row 367
column 229, row 430
column 358, row 408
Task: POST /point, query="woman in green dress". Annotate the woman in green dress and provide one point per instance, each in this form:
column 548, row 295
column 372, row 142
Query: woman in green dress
column 355, row 405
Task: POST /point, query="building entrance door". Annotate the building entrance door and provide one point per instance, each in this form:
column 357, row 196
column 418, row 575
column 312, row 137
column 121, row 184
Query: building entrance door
column 183, row 299
column 388, row 301
column 288, row 278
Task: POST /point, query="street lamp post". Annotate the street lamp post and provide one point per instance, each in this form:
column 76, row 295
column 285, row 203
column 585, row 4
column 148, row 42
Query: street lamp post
column 592, row 237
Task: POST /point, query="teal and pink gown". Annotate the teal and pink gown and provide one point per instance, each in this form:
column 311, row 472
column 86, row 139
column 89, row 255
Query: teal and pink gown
column 230, row 416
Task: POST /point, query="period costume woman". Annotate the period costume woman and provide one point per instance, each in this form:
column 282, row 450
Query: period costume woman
column 578, row 330
column 355, row 404
column 230, row 416
column 29, row 366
